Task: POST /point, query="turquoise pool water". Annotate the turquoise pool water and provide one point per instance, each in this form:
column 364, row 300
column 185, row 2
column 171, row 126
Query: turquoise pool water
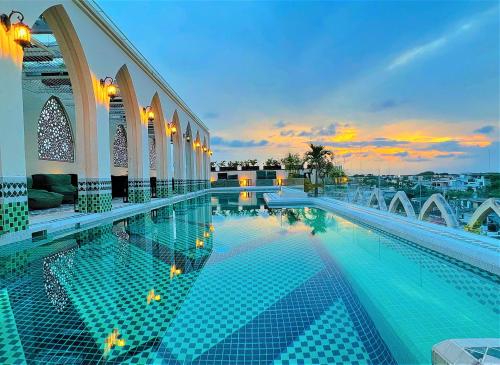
column 229, row 281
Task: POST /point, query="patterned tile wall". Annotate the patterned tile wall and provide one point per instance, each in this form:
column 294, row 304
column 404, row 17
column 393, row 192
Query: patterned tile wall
column 94, row 195
column 13, row 204
column 139, row 190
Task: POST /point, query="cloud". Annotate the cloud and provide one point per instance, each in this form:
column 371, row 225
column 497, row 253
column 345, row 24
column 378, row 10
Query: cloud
column 280, row 124
column 375, row 142
column 329, row 130
column 421, row 50
column 318, row 131
column 384, row 105
column 418, row 159
column 487, row 129
column 305, row 134
column 447, row 155
column 210, row 115
column 418, row 51
column 236, row 143
column 397, row 154
column 287, row 133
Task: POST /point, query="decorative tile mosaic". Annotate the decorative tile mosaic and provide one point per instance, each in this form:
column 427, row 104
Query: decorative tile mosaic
column 94, row 195
column 13, row 216
column 139, row 190
column 331, row 339
column 163, row 188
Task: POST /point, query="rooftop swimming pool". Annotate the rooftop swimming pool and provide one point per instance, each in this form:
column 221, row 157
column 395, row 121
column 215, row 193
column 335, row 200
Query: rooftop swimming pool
column 222, row 279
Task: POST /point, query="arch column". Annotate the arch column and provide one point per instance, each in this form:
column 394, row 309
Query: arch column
column 177, row 155
column 13, row 189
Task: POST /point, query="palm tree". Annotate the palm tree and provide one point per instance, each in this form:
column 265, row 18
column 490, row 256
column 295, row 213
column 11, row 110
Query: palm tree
column 317, row 158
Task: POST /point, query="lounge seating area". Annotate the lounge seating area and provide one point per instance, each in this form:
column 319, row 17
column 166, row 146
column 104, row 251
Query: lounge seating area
column 50, row 190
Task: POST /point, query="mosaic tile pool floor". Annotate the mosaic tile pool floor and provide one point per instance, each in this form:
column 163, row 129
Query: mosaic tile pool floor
column 222, row 280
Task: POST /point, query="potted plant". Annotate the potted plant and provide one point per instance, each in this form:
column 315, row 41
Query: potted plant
column 249, row 165
column 272, row 164
column 232, row 165
column 222, row 166
column 213, row 164
column 293, row 163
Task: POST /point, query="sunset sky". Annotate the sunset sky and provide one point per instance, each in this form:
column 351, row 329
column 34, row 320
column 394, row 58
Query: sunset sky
column 391, row 87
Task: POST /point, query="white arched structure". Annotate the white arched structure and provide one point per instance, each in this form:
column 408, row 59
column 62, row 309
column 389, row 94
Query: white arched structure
column 399, row 202
column 489, row 206
column 438, row 201
column 358, row 197
column 376, row 200
column 93, row 49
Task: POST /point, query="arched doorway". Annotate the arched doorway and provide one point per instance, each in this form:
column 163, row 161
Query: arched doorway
column 51, row 131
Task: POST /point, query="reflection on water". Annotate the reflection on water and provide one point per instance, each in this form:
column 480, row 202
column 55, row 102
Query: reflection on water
column 91, row 294
column 209, row 276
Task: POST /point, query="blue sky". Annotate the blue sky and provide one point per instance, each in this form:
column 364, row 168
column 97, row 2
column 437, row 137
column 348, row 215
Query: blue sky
column 390, row 86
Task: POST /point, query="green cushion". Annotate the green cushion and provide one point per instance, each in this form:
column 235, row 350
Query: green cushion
column 42, row 199
column 57, row 179
column 63, row 189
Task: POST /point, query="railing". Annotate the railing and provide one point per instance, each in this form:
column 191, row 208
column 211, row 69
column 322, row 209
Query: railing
column 460, row 209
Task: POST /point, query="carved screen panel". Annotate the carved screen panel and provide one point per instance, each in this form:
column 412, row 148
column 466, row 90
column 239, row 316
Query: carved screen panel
column 55, row 138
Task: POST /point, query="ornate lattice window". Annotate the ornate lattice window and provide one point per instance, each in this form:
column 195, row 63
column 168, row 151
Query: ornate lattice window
column 120, row 155
column 152, row 153
column 55, row 139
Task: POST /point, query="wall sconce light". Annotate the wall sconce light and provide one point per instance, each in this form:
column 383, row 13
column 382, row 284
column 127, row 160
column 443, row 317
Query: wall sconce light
column 149, row 112
column 173, row 130
column 197, row 144
column 187, row 137
column 205, row 149
column 111, row 88
column 22, row 33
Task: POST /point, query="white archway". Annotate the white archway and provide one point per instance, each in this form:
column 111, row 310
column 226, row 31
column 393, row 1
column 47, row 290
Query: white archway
column 438, row 201
column 358, row 197
column 400, row 200
column 489, row 206
column 377, row 200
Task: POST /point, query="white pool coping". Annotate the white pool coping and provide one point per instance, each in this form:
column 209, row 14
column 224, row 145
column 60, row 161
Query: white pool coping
column 479, row 251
